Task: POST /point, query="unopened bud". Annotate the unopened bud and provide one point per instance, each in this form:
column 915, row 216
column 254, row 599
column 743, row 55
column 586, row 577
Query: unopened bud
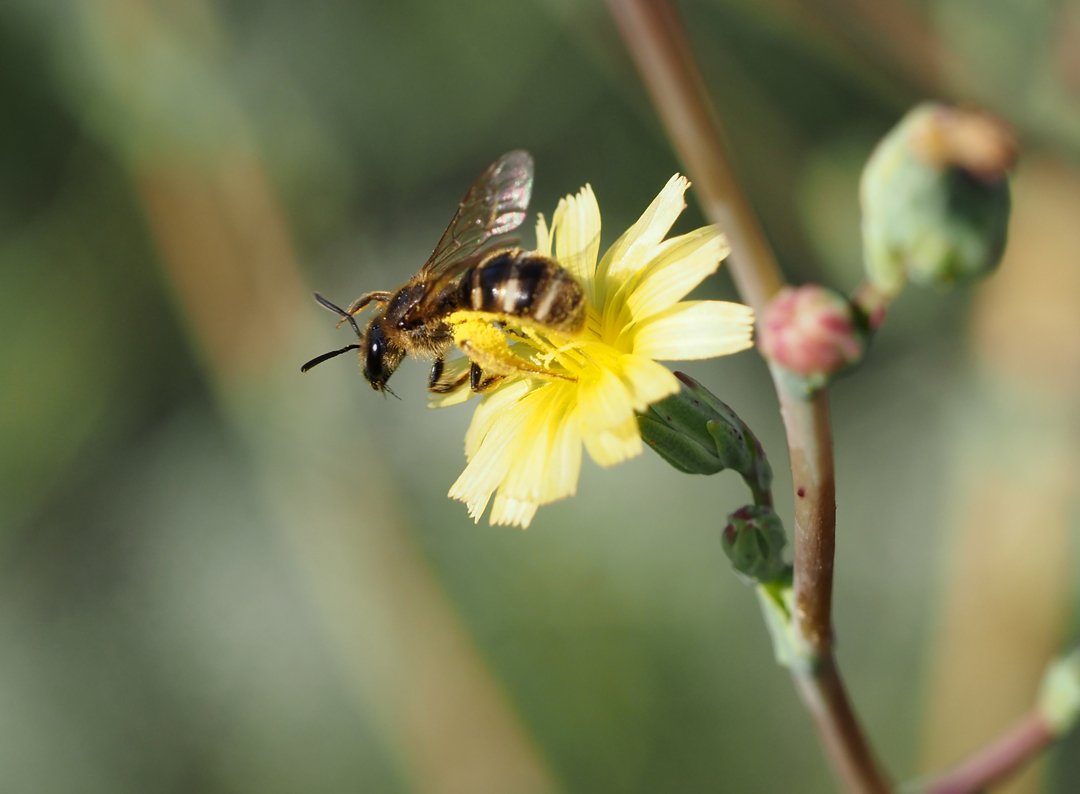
column 935, row 198
column 812, row 331
column 754, row 541
column 697, row 433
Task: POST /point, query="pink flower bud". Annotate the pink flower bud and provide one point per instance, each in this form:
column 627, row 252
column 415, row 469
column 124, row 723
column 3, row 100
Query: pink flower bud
column 811, row 331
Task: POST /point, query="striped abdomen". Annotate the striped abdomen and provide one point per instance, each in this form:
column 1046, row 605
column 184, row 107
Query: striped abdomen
column 523, row 284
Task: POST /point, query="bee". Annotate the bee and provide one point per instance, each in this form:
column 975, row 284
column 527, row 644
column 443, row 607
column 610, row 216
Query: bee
column 464, row 272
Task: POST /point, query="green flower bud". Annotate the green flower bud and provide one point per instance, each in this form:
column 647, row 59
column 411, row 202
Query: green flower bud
column 685, row 451
column 698, row 434
column 754, row 541
column 935, row 199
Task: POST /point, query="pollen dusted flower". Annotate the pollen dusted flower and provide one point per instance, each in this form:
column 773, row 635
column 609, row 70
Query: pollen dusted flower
column 560, row 391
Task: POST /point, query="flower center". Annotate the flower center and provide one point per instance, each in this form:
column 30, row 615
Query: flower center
column 530, row 350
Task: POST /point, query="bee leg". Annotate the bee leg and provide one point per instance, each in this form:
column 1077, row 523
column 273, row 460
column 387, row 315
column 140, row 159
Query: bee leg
column 477, row 381
column 439, row 386
column 501, row 361
column 347, row 315
column 379, row 296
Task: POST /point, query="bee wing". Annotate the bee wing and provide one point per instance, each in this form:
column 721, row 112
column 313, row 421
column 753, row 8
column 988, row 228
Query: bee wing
column 496, row 203
column 439, row 286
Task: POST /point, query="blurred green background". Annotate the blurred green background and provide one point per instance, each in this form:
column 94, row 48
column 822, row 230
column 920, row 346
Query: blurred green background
column 219, row 576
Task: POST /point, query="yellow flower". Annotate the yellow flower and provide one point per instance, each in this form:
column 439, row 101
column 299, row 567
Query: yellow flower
column 561, row 392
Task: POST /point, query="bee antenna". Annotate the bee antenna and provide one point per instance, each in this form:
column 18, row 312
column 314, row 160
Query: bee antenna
column 325, row 356
column 392, row 393
column 326, row 304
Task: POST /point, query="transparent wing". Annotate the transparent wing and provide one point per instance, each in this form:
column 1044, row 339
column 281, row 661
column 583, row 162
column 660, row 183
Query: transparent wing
column 495, row 204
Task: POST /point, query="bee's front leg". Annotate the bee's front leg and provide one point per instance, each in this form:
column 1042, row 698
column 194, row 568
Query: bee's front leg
column 379, row 296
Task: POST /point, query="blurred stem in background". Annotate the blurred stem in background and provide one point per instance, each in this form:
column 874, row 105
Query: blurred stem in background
column 227, row 254
column 1014, row 479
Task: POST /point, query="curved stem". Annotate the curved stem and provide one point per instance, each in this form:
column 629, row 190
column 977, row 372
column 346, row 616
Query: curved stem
column 822, row 691
column 1019, row 744
column 657, row 41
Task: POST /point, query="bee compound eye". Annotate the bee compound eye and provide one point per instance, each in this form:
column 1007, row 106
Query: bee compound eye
column 374, row 351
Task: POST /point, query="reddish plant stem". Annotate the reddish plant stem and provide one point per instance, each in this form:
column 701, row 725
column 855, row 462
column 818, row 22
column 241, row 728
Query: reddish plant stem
column 823, row 693
column 1029, row 736
column 657, row 41
column 810, row 448
column 819, row 683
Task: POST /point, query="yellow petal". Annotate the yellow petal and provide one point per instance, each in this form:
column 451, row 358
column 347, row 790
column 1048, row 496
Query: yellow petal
column 543, row 237
column 613, row 445
column 492, row 445
column 576, row 229
column 695, row 329
column 460, row 395
column 647, row 381
column 508, row 511
column 636, row 246
column 529, row 454
column 603, row 400
column 564, row 458
column 468, row 488
column 525, row 476
column 490, row 461
column 680, row 264
column 491, row 409
column 548, row 459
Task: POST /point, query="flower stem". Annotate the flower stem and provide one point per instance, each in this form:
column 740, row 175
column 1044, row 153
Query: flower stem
column 810, row 447
column 822, row 690
column 994, row 762
column 657, row 41
column 658, row 44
